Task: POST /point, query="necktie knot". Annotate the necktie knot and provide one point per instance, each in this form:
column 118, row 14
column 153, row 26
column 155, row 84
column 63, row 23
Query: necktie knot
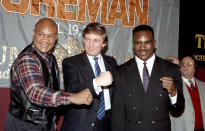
column 96, row 66
column 191, row 85
column 50, row 59
column 95, row 58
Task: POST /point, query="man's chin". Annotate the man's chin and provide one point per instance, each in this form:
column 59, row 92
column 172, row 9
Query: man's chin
column 143, row 57
column 45, row 50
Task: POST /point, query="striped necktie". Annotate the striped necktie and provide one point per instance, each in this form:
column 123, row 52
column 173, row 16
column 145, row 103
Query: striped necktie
column 101, row 109
column 191, row 85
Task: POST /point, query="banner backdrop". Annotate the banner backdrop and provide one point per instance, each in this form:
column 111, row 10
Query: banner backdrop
column 192, row 31
column 18, row 17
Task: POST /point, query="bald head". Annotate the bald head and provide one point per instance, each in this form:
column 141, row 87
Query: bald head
column 172, row 59
column 45, row 35
column 46, row 22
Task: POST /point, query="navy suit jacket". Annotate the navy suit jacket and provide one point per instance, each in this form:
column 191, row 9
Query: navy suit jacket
column 135, row 110
column 78, row 75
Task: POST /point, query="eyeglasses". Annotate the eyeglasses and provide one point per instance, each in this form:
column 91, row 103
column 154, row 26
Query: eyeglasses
column 189, row 64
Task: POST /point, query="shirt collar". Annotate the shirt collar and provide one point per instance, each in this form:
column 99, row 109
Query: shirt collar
column 150, row 61
column 39, row 52
column 187, row 81
column 91, row 57
column 43, row 55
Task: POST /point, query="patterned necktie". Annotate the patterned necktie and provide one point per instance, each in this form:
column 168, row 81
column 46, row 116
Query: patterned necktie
column 53, row 76
column 191, row 85
column 101, row 109
column 145, row 76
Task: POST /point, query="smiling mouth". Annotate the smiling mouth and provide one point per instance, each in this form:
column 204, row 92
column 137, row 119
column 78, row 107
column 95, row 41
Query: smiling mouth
column 45, row 46
column 143, row 52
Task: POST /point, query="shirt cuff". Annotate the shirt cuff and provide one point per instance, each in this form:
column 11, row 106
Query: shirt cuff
column 97, row 89
column 173, row 99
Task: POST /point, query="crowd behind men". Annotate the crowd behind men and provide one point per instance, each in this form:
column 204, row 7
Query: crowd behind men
column 193, row 117
column 139, row 95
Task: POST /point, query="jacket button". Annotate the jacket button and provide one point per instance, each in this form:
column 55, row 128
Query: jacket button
column 153, row 122
column 157, row 108
column 160, row 94
column 134, row 108
column 93, row 124
column 139, row 122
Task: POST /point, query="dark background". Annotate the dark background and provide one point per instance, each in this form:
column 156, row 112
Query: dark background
column 191, row 23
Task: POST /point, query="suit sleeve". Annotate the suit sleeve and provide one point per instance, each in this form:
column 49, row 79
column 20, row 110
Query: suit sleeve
column 118, row 111
column 72, row 81
column 177, row 108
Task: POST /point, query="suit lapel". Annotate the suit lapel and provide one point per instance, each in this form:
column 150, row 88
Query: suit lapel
column 135, row 79
column 155, row 86
column 157, row 70
column 87, row 68
column 107, row 65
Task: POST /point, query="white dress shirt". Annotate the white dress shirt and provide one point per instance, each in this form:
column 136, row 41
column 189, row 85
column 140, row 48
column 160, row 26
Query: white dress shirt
column 98, row 89
column 149, row 64
column 187, row 81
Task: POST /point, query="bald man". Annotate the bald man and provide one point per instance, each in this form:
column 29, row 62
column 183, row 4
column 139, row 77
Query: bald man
column 35, row 84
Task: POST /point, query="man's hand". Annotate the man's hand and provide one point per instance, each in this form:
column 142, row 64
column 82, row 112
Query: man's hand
column 167, row 83
column 104, row 79
column 82, row 97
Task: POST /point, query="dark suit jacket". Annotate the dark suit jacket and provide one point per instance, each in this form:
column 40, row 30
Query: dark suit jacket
column 135, row 110
column 78, row 75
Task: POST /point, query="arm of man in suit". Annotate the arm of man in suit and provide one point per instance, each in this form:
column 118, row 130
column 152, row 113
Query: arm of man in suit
column 174, row 88
column 72, row 83
column 105, row 79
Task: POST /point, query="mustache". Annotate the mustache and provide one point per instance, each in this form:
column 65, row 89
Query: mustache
column 142, row 50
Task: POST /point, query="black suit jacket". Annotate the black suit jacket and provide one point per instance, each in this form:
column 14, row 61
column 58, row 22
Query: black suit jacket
column 78, row 75
column 135, row 110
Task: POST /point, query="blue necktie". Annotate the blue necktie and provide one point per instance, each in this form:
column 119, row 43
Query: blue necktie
column 101, row 110
column 145, row 76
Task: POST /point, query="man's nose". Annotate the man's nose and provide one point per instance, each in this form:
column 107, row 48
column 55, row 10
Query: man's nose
column 45, row 38
column 142, row 45
column 92, row 42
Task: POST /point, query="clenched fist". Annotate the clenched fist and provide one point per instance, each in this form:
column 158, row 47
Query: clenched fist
column 167, row 83
column 82, row 97
column 104, row 79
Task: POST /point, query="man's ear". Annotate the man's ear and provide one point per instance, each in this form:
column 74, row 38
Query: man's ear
column 104, row 45
column 154, row 43
column 83, row 40
column 34, row 32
